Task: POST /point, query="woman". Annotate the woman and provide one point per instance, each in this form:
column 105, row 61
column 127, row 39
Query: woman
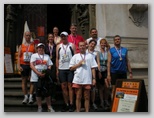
column 40, row 63
column 102, row 67
column 94, row 53
column 50, row 49
column 57, row 39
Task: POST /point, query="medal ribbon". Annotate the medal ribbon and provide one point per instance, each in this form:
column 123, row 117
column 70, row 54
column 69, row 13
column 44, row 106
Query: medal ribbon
column 41, row 58
column 103, row 55
column 119, row 52
column 65, row 48
column 50, row 50
column 83, row 58
column 27, row 48
column 73, row 39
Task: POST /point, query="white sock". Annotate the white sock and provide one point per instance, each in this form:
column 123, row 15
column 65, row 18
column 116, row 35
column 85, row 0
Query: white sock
column 39, row 107
column 30, row 96
column 26, row 96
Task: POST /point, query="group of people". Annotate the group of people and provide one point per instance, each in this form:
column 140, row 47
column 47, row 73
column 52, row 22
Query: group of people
column 80, row 66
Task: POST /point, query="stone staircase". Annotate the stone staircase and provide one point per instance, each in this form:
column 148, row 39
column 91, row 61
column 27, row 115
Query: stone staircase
column 13, row 95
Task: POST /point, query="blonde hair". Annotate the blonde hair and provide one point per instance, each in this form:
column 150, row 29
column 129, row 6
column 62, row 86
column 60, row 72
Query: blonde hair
column 107, row 44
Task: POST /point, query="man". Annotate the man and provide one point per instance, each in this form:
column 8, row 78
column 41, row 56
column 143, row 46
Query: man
column 74, row 37
column 118, row 63
column 64, row 53
column 93, row 34
column 24, row 54
column 83, row 64
column 40, row 63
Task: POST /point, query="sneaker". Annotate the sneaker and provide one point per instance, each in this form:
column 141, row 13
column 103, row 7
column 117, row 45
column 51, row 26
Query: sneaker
column 65, row 108
column 25, row 100
column 31, row 101
column 51, row 110
column 71, row 108
column 39, row 110
column 94, row 106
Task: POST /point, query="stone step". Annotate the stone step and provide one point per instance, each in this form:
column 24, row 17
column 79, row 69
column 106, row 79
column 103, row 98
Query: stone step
column 17, row 106
column 19, row 95
column 13, row 95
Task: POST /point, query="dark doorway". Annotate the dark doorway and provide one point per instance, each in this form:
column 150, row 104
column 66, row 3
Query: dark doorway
column 58, row 15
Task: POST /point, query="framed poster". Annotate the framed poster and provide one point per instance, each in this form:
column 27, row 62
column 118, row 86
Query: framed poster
column 124, row 100
column 8, row 66
column 130, row 96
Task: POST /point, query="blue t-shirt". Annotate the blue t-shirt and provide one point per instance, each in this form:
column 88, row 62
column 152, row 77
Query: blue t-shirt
column 117, row 65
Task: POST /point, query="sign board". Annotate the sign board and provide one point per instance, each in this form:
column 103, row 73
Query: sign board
column 8, row 67
column 130, row 96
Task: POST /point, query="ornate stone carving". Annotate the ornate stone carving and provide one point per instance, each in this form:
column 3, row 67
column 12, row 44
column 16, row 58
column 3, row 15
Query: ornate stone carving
column 137, row 13
column 80, row 15
column 92, row 16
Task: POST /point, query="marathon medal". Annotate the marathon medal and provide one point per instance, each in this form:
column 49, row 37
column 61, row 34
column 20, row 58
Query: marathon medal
column 104, row 62
column 26, row 54
column 64, row 55
column 119, row 53
column 83, row 62
column 27, row 49
column 83, row 59
column 65, row 50
column 50, row 56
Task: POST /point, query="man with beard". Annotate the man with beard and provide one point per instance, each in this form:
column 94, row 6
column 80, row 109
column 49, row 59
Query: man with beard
column 94, row 35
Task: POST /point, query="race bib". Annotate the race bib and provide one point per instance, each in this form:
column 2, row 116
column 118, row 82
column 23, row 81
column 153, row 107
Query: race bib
column 65, row 58
column 27, row 56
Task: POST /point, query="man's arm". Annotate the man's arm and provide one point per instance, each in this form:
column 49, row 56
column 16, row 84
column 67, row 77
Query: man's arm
column 57, row 60
column 74, row 67
column 93, row 76
column 35, row 70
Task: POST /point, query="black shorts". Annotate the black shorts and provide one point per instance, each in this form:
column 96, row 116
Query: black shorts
column 66, row 76
column 102, row 80
column 115, row 76
column 26, row 70
column 42, row 88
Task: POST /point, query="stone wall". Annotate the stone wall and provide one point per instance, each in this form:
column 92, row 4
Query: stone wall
column 113, row 19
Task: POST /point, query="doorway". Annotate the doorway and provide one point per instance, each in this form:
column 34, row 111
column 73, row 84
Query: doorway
column 58, row 15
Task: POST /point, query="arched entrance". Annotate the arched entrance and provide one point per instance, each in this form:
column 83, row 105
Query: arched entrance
column 58, row 15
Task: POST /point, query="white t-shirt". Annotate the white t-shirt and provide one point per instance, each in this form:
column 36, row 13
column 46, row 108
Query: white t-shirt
column 83, row 74
column 97, row 48
column 41, row 62
column 65, row 56
column 94, row 53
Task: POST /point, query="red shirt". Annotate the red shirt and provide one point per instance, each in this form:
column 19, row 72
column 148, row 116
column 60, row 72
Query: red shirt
column 75, row 40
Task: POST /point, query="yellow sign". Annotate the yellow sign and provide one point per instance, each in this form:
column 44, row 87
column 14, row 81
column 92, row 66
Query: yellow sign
column 134, row 85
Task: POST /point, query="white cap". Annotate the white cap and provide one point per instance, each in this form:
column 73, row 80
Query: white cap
column 40, row 44
column 64, row 33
